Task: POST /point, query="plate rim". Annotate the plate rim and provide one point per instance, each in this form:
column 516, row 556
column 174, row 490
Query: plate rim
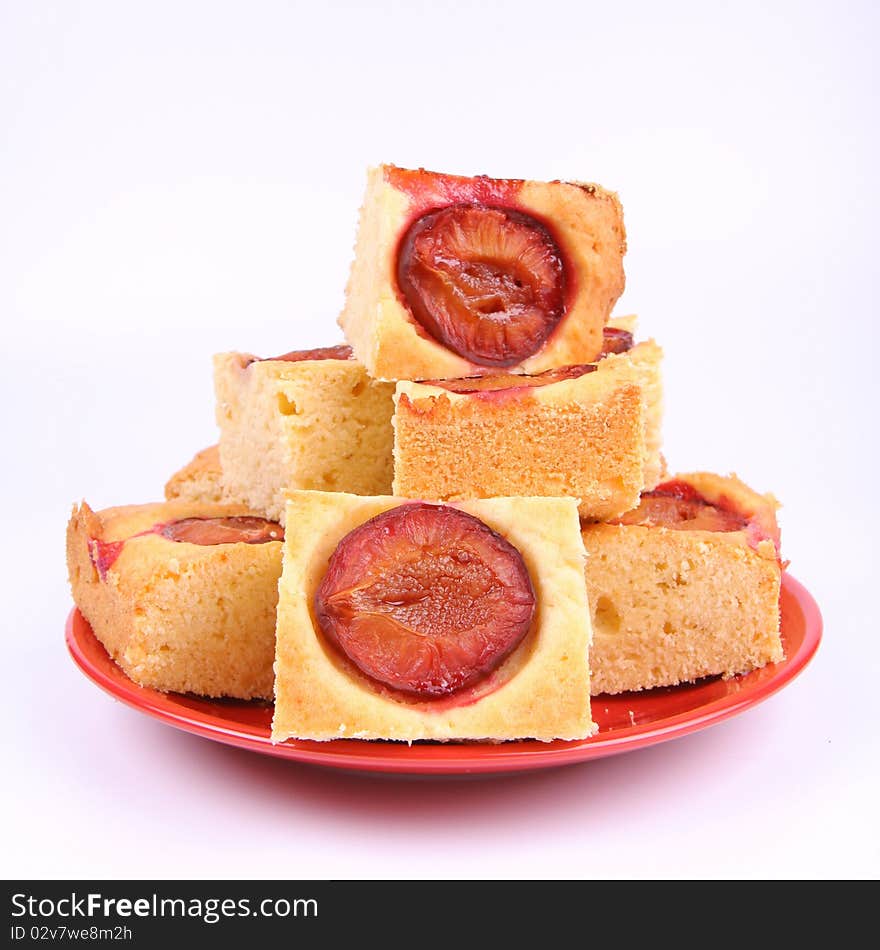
column 456, row 758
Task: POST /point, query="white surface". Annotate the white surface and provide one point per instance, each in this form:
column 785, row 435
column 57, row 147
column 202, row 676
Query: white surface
column 177, row 179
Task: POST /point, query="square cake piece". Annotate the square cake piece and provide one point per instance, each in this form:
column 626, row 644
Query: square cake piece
column 182, row 595
column 406, row 620
column 307, row 420
column 455, row 276
column 581, row 432
column 685, row 586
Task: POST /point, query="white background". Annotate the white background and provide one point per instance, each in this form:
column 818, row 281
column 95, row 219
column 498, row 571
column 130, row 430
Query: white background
column 182, row 178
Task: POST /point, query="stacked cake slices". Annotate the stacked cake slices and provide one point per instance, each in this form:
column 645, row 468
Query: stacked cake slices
column 458, row 524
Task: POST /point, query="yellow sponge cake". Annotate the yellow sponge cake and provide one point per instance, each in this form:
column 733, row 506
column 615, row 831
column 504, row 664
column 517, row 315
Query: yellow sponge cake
column 307, row 420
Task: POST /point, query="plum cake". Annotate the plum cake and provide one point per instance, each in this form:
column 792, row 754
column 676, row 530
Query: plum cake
column 412, row 620
column 181, row 594
column 684, row 586
column 454, row 276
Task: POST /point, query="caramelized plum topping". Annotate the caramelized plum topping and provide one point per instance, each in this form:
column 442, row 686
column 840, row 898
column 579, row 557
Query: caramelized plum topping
column 615, row 340
column 237, row 529
column 243, row 529
column 679, row 506
column 425, row 599
column 342, row 351
column 488, row 283
column 474, row 384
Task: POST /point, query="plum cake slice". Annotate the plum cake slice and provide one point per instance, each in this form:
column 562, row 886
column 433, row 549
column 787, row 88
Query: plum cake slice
column 181, row 594
column 454, row 276
column 684, row 586
column 310, row 419
column 414, row 620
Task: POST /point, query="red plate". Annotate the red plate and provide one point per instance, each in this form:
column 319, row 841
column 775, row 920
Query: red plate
column 626, row 722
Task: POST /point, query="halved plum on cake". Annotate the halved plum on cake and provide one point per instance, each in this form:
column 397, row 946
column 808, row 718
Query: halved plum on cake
column 426, row 599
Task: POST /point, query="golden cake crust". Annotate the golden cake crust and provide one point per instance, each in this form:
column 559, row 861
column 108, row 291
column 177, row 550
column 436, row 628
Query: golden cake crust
column 670, row 606
column 544, row 689
column 312, row 424
column 177, row 616
column 585, row 220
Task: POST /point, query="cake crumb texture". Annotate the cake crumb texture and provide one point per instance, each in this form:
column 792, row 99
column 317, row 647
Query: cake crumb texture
column 315, row 424
column 581, row 438
column 201, row 479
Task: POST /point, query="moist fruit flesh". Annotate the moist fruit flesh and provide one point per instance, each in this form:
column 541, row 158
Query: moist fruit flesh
column 428, row 190
column 679, row 506
column 425, row 599
column 615, row 340
column 236, row 529
column 486, row 282
column 504, row 381
column 103, row 554
column 239, row 529
column 342, row 351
